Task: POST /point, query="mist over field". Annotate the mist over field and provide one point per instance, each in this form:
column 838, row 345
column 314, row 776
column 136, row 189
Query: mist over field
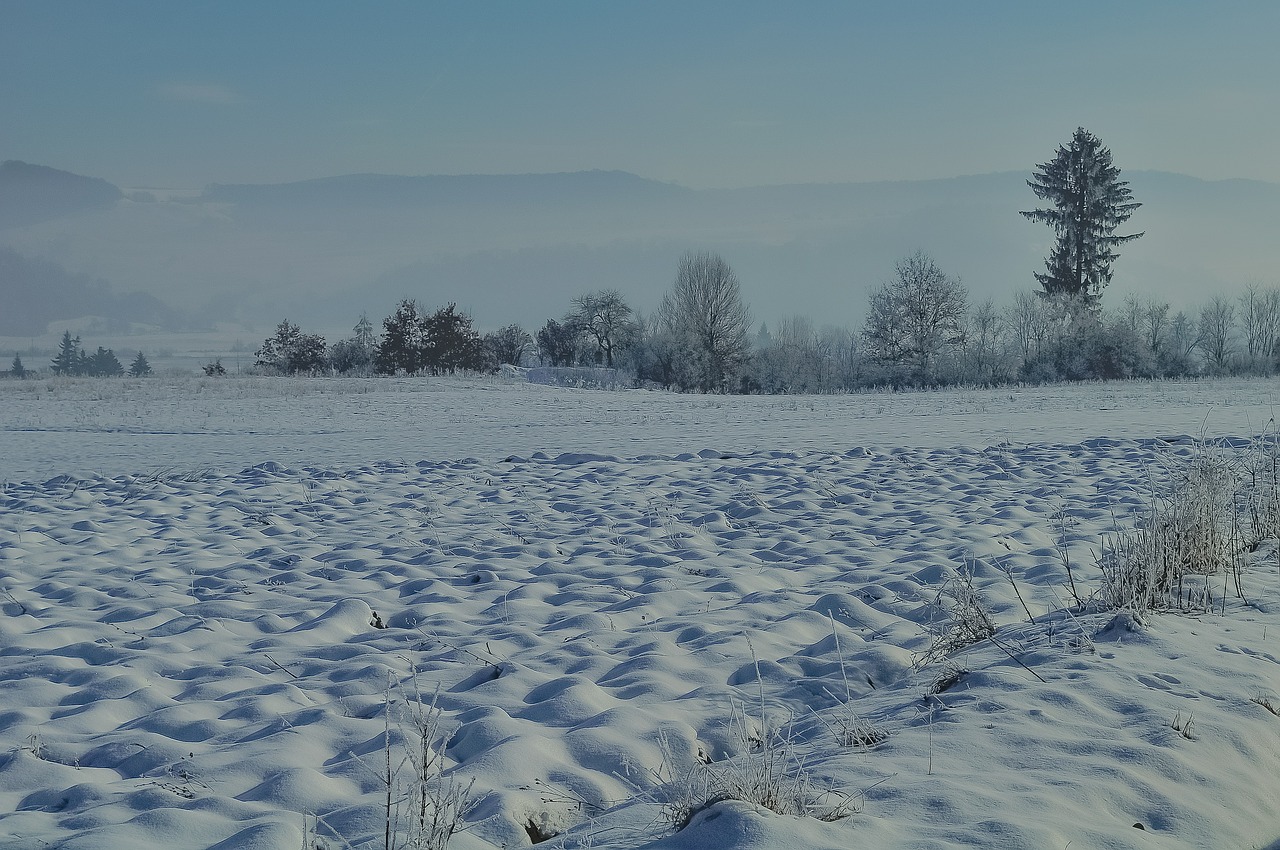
column 517, row 248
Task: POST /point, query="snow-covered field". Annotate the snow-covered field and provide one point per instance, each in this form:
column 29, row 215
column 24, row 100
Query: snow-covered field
column 206, row 585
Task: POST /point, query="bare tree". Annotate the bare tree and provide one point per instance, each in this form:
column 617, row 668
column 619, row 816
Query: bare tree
column 1184, row 339
column 1217, row 332
column 917, row 316
column 1155, row 326
column 706, row 317
column 1260, row 322
column 508, row 345
column 1030, row 321
column 606, row 317
column 984, row 344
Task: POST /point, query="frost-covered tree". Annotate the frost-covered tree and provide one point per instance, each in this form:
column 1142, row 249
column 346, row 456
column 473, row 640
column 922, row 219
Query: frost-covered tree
column 139, row 368
column 17, row 370
column 917, row 316
column 1089, row 202
column 705, row 318
column 289, row 351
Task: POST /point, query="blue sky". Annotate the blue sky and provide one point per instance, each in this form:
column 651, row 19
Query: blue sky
column 701, row 94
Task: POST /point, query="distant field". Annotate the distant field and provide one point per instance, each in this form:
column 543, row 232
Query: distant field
column 112, row 427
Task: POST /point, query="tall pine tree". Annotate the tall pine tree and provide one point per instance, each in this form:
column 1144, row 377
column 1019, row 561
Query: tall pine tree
column 69, row 355
column 1089, row 203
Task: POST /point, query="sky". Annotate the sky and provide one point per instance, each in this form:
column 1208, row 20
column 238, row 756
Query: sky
column 703, row 94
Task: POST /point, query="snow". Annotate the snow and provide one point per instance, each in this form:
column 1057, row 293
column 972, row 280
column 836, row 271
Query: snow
column 604, row 587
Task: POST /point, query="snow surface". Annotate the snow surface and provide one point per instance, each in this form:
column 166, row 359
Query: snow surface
column 190, row 570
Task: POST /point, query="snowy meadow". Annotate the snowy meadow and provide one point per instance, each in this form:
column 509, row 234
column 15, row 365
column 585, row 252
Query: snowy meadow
column 332, row 613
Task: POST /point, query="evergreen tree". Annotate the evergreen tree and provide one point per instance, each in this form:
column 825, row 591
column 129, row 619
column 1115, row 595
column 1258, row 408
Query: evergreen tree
column 364, row 334
column 139, row 368
column 104, row 364
column 67, row 361
column 402, row 346
column 452, row 344
column 18, row 370
column 1089, row 203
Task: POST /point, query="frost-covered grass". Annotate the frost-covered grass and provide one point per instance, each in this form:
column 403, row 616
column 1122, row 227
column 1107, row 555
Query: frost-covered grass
column 800, row 622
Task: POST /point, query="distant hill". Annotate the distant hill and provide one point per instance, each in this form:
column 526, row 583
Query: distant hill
column 392, row 191
column 36, row 292
column 517, row 248
column 33, row 193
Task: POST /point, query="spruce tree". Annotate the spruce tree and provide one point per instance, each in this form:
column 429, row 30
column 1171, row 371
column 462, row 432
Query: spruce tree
column 104, row 364
column 139, row 368
column 67, row 362
column 1089, row 203
column 18, row 370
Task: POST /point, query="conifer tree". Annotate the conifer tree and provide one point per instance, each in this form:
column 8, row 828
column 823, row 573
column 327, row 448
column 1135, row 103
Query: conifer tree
column 67, row 361
column 1089, row 203
column 139, row 368
column 104, row 364
column 18, row 370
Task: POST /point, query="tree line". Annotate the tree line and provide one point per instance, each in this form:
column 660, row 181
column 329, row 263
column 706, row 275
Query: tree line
column 920, row 330
column 73, row 359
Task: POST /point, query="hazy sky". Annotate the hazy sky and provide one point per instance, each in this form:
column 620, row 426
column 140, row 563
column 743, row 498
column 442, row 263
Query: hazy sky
column 698, row 93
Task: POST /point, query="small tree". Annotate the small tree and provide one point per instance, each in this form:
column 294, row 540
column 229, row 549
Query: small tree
column 17, row 370
column 139, row 368
column 508, row 345
column 214, row 369
column 915, row 317
column 1089, row 202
